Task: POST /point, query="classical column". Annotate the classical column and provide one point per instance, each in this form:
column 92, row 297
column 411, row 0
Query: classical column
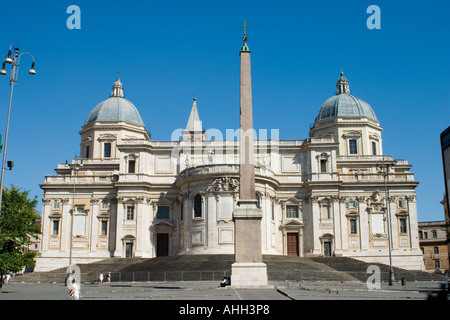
column 248, row 269
column 120, row 217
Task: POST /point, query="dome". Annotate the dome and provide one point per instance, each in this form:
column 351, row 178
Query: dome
column 116, row 109
column 344, row 105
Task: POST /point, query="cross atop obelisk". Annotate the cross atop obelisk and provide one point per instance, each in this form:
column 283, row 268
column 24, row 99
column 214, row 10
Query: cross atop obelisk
column 245, row 38
column 248, row 269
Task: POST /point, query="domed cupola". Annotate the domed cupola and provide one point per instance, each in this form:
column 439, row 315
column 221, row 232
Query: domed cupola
column 116, row 109
column 349, row 121
column 344, row 105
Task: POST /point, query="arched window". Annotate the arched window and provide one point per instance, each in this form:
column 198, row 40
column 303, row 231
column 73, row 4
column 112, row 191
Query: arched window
column 198, row 206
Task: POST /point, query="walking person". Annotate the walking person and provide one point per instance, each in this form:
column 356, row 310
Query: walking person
column 108, row 277
column 75, row 293
column 100, row 278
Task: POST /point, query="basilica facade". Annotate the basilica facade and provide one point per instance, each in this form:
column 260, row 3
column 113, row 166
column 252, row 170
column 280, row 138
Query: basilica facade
column 334, row 193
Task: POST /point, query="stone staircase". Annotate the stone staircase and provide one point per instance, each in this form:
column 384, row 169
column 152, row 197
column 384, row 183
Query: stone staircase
column 358, row 269
column 89, row 271
column 215, row 267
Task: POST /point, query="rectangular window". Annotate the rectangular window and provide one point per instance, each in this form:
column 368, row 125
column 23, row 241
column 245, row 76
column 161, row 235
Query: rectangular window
column 374, row 148
column 434, row 233
column 131, row 166
column 130, row 213
column 105, row 205
column 437, row 264
column 352, row 204
column 353, row 147
column 436, row 250
column 402, row 203
column 104, row 228
column 56, row 205
column 353, row 226
column 86, row 152
column 107, row 150
column 163, row 212
column 403, row 225
column 197, row 206
column 55, row 227
column 291, row 211
column 323, row 165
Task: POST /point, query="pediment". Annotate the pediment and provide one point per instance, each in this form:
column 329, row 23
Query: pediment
column 291, row 223
column 162, row 223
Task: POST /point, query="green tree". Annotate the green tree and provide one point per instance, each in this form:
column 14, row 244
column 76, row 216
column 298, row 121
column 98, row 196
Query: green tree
column 17, row 224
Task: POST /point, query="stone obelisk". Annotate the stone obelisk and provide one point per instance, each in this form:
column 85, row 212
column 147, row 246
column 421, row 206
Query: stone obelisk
column 248, row 270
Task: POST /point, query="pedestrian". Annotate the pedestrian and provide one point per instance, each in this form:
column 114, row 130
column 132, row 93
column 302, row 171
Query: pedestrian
column 100, row 278
column 75, row 293
column 223, row 283
column 108, row 276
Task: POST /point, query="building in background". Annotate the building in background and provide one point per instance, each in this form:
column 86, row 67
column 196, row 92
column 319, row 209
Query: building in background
column 433, row 237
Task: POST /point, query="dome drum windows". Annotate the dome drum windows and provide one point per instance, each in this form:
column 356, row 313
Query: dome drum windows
column 375, row 144
column 108, row 143
column 353, row 142
column 86, row 148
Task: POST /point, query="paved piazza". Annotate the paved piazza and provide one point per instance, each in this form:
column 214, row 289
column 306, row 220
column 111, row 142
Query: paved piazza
column 212, row 291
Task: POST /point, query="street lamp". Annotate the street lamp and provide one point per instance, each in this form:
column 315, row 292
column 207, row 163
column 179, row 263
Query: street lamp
column 385, row 172
column 15, row 62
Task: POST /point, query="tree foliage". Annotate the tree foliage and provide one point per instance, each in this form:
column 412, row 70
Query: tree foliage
column 17, row 224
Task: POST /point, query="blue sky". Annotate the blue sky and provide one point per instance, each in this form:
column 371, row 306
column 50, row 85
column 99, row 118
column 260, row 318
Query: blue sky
column 169, row 51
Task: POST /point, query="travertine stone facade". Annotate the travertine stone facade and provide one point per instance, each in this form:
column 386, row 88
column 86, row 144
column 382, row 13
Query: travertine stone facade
column 323, row 195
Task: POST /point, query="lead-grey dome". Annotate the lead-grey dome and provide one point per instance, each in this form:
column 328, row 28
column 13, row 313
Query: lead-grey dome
column 344, row 105
column 116, row 109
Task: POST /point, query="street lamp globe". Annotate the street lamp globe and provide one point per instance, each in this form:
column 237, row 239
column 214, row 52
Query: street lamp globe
column 8, row 59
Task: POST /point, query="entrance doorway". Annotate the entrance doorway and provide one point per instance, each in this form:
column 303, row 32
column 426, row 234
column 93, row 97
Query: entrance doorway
column 129, row 250
column 292, row 244
column 327, row 248
column 162, row 244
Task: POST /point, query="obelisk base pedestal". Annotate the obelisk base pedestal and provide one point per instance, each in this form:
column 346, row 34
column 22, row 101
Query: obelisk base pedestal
column 248, row 270
column 249, row 275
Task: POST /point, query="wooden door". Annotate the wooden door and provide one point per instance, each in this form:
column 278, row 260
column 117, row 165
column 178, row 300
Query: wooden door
column 292, row 244
column 327, row 248
column 129, row 250
column 162, row 244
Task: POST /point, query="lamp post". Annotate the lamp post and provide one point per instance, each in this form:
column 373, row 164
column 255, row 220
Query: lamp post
column 15, row 62
column 385, row 172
